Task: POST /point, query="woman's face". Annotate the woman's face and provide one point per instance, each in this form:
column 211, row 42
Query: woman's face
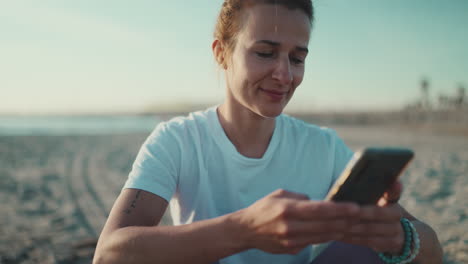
column 267, row 63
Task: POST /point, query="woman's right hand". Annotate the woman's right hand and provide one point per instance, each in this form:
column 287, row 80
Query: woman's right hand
column 286, row 222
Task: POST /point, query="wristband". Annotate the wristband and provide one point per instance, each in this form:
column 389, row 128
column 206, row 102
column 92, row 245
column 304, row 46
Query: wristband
column 410, row 248
column 416, row 246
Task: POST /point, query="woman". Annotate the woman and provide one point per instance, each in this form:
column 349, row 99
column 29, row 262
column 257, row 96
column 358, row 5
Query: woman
column 244, row 182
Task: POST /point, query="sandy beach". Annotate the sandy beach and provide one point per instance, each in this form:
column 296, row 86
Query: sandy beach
column 56, row 191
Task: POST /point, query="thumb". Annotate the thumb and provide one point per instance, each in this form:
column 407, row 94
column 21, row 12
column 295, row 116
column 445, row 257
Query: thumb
column 291, row 195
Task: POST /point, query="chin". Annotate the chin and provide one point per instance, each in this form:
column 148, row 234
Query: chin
column 270, row 112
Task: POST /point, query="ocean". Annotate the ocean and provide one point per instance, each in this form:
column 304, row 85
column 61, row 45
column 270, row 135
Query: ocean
column 75, row 125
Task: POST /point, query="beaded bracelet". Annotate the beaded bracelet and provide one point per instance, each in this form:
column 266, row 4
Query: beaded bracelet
column 410, row 247
column 416, row 246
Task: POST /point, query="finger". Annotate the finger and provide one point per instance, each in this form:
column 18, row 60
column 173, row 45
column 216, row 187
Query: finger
column 382, row 214
column 324, row 210
column 393, row 194
column 396, row 187
column 281, row 193
column 313, row 228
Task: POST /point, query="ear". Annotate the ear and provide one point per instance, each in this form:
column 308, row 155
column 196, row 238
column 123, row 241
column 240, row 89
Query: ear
column 218, row 52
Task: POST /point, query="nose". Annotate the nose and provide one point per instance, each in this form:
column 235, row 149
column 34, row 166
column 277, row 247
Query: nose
column 282, row 72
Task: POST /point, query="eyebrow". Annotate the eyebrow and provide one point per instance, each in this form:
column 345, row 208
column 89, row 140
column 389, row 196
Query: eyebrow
column 276, row 44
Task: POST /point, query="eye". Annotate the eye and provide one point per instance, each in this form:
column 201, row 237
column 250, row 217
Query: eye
column 264, row 54
column 296, row 61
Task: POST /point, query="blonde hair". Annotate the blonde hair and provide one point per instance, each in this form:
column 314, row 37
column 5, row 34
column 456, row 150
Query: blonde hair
column 229, row 23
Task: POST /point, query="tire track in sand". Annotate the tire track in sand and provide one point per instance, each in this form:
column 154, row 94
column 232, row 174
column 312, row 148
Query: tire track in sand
column 89, row 207
column 79, row 214
column 90, row 189
column 104, row 181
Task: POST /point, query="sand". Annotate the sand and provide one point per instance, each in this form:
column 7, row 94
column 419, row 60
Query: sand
column 56, row 191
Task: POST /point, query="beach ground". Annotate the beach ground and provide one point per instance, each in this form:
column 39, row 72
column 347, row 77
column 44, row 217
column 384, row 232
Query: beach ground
column 56, row 191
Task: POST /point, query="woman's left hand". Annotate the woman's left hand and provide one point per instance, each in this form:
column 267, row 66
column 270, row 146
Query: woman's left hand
column 392, row 195
column 379, row 225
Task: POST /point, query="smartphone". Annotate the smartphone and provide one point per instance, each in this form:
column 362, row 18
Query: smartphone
column 369, row 174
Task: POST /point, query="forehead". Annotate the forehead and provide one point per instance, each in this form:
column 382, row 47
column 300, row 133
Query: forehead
column 275, row 23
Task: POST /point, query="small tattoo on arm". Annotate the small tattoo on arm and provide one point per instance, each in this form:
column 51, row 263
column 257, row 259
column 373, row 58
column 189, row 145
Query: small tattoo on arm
column 133, row 204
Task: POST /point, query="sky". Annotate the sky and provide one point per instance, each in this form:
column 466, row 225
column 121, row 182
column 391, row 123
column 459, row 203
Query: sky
column 87, row 56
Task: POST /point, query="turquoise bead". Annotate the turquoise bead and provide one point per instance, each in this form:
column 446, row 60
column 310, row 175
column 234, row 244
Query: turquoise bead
column 411, row 238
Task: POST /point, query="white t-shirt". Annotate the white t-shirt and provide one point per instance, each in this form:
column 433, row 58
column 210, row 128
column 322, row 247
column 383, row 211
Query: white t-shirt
column 190, row 162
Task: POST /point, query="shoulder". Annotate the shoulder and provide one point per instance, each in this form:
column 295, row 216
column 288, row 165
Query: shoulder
column 191, row 119
column 182, row 126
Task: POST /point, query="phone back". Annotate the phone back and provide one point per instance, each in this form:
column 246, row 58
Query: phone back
column 369, row 174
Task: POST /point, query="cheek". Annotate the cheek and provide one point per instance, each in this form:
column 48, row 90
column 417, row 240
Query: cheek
column 257, row 69
column 298, row 77
column 241, row 71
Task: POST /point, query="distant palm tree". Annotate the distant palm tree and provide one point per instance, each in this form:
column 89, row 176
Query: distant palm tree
column 425, row 102
column 460, row 99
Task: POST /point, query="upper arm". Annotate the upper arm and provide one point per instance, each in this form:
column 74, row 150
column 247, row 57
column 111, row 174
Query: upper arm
column 135, row 207
column 154, row 171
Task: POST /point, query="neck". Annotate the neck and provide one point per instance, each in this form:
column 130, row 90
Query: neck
column 249, row 132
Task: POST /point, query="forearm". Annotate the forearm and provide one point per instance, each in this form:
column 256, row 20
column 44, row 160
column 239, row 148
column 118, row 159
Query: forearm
column 430, row 250
column 200, row 242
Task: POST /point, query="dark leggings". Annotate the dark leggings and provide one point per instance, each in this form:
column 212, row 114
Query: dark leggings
column 339, row 252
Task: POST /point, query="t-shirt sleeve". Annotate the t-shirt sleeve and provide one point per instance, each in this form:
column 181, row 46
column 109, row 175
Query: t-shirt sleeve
column 342, row 155
column 156, row 167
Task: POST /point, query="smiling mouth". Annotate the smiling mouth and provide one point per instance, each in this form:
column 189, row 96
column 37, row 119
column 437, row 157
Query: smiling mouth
column 275, row 95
